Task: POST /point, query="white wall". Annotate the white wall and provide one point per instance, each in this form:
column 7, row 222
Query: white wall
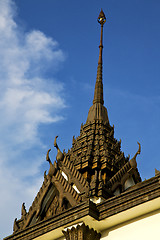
column 146, row 228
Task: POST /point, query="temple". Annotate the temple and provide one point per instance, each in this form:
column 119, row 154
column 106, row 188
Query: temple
column 92, row 191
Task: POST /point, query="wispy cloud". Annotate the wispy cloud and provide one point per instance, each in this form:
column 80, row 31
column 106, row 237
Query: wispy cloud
column 27, row 99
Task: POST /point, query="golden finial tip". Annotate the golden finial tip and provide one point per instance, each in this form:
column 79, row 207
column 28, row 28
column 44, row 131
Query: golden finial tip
column 102, row 17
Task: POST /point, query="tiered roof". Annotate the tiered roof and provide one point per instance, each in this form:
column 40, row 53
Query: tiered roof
column 94, row 169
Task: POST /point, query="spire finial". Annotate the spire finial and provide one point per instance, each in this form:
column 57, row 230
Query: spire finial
column 98, row 111
column 98, row 93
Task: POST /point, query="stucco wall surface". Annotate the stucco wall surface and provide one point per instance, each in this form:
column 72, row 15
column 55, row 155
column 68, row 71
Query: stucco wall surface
column 144, row 228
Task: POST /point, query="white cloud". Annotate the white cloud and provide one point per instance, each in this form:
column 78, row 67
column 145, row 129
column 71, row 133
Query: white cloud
column 27, row 100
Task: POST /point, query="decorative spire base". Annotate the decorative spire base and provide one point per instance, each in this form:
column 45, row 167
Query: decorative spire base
column 97, row 112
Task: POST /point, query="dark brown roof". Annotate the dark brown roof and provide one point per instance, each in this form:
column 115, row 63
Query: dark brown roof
column 94, row 168
column 139, row 194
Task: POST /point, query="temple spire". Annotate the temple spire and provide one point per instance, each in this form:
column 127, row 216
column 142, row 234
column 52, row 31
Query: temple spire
column 98, row 111
column 98, row 93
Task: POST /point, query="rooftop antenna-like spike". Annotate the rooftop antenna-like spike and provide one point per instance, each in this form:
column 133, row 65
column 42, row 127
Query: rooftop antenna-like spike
column 98, row 93
column 98, row 111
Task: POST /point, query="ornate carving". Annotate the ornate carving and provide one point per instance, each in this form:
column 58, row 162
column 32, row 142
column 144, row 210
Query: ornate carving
column 23, row 210
column 100, row 179
column 53, row 168
column 81, row 232
column 94, row 180
column 157, row 172
column 73, row 140
column 45, row 177
column 60, row 155
column 15, row 226
column 133, row 160
column 54, row 208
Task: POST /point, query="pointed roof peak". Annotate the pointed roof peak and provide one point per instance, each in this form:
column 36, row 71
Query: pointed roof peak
column 97, row 110
column 98, row 93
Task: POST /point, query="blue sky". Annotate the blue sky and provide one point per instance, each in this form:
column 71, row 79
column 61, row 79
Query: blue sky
column 48, row 59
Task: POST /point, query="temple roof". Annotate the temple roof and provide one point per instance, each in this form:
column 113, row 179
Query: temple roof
column 94, row 169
